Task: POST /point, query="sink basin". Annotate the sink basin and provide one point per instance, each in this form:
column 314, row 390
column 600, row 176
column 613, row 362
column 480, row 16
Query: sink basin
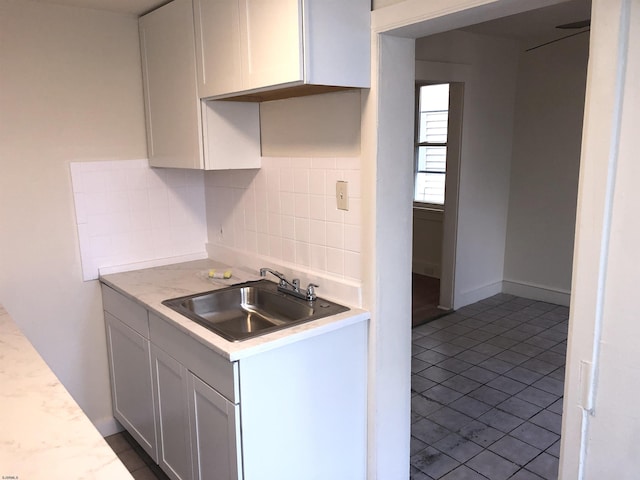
column 250, row 309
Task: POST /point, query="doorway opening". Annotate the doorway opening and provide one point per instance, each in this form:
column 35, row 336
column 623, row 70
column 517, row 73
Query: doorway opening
column 490, row 375
column 437, row 148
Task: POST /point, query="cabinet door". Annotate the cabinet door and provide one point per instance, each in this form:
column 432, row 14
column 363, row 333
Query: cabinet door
column 215, row 433
column 174, row 440
column 131, row 391
column 217, row 25
column 172, row 105
column 272, row 42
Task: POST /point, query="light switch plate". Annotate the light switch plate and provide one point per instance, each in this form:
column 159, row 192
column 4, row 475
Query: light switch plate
column 342, row 195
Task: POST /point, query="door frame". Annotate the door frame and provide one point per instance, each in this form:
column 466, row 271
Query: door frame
column 387, row 136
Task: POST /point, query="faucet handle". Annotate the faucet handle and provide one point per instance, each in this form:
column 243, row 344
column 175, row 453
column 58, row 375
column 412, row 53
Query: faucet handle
column 311, row 292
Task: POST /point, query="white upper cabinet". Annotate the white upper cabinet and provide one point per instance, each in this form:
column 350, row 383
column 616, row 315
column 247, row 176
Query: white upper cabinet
column 172, row 106
column 271, row 50
column 246, row 47
column 217, row 25
column 178, row 122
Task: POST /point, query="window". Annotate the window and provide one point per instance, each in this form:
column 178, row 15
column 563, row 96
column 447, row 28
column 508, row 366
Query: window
column 431, row 143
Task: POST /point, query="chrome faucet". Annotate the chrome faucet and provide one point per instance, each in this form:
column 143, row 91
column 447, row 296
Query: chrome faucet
column 292, row 287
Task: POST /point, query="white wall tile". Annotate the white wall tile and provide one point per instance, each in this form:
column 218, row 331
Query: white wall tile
column 301, row 201
column 318, row 257
column 348, row 163
column 301, row 180
column 317, row 232
column 332, row 213
column 301, row 162
column 275, row 246
column 288, row 250
column 262, row 223
column 288, row 226
column 251, row 242
column 352, row 241
column 273, row 201
column 325, row 163
column 352, row 177
column 354, row 214
column 335, row 261
column 261, row 199
column 275, row 228
column 287, row 203
column 335, row 235
column 127, row 212
column 296, row 217
column 331, row 177
column 302, row 229
column 317, row 208
column 263, row 244
column 286, row 180
column 352, row 265
column 317, row 182
column 303, row 254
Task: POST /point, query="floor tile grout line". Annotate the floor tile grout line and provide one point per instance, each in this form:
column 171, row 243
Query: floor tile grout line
column 536, row 337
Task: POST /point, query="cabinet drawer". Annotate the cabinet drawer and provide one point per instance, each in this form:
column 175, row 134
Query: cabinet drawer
column 214, row 369
column 127, row 311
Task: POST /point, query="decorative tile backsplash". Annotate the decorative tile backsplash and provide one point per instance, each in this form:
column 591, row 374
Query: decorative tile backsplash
column 287, row 212
column 128, row 213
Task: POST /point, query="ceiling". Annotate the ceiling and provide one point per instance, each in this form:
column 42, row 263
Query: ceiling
column 533, row 27
column 537, row 26
column 132, row 7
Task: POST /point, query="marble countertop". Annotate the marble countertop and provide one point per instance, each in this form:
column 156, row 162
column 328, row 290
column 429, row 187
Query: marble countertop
column 43, row 432
column 151, row 286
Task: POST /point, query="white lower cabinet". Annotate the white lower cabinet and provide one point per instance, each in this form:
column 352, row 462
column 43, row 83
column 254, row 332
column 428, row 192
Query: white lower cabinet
column 197, row 426
column 174, row 440
column 131, row 384
column 289, row 412
column 215, row 434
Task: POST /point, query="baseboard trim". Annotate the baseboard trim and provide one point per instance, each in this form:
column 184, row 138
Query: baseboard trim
column 425, row 268
column 537, row 292
column 472, row 296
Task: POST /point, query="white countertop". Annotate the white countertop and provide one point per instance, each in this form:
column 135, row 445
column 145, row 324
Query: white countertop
column 151, row 286
column 43, row 432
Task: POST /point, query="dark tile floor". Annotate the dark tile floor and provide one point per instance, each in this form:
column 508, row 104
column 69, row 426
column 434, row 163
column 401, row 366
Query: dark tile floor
column 139, row 464
column 487, row 384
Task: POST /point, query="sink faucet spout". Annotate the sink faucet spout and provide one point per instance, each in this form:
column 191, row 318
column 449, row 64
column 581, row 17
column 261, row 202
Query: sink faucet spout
column 291, row 287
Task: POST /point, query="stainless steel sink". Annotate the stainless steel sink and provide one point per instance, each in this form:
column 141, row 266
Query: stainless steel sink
column 250, row 309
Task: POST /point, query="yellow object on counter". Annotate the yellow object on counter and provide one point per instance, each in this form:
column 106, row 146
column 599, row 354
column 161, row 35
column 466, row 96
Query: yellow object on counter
column 213, row 273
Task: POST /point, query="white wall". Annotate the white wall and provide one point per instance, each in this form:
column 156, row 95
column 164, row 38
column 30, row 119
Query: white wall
column 325, row 125
column 544, row 169
column 70, row 90
column 600, row 421
column 488, row 68
column 427, row 242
